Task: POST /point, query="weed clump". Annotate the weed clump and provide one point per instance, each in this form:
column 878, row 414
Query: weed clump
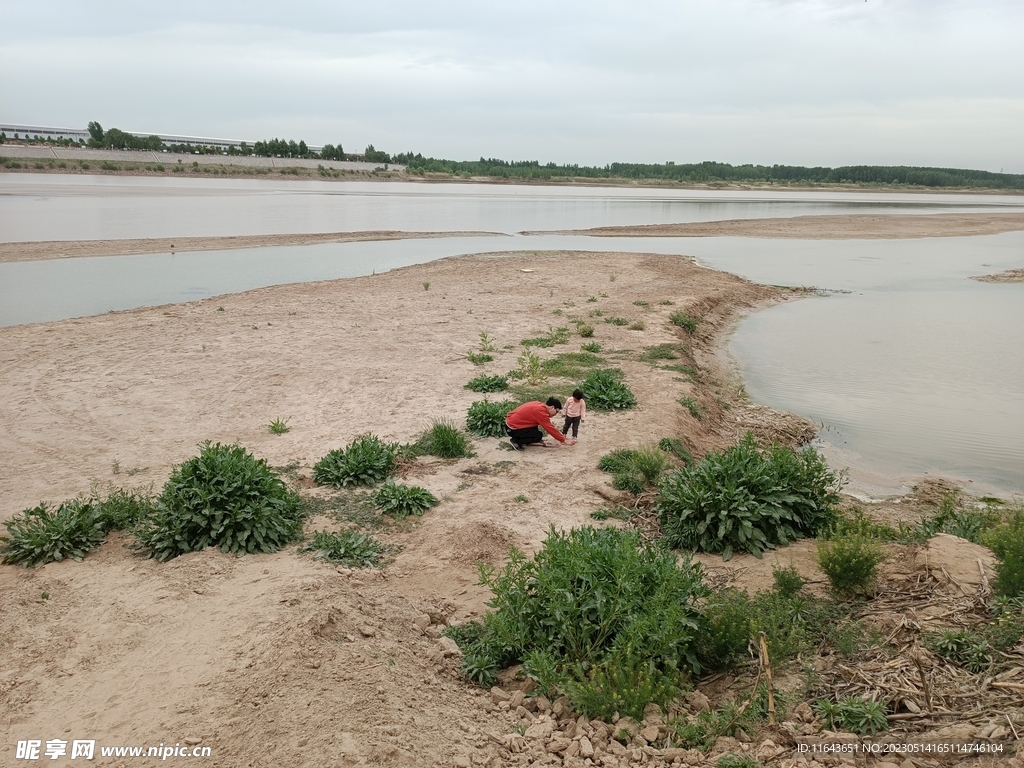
column 367, row 460
column 861, row 716
column 445, row 440
column 1007, row 542
column 677, row 448
column 487, row 419
column 606, row 391
column 226, row 498
column 488, row 384
column 38, row 535
column 747, row 499
column 635, row 470
column 401, row 501
column 349, row 548
column 596, row 614
column 684, row 320
column 849, row 562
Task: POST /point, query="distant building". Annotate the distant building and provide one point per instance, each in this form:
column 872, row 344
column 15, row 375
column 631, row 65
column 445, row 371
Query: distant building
column 76, row 134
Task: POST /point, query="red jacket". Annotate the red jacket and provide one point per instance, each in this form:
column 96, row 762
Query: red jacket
column 533, row 414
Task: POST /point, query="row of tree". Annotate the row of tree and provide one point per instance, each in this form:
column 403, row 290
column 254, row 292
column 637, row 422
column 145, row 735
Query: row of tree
column 711, row 171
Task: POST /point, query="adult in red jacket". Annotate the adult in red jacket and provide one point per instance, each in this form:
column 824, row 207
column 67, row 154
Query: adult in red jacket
column 524, row 424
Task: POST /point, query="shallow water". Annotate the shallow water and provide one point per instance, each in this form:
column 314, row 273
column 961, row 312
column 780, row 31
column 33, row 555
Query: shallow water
column 36, row 207
column 909, row 366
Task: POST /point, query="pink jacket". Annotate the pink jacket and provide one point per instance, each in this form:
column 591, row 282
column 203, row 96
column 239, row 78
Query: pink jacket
column 574, row 407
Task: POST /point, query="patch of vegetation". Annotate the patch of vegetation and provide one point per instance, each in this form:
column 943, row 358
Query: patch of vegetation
column 617, row 320
column 854, row 714
column 691, row 405
column 612, row 513
column 592, row 346
column 732, row 760
column 367, row 460
column 606, row 391
column 660, row 352
column 487, row 419
column 688, row 370
column 486, row 342
column 347, row 506
column 571, row 365
column 401, row 501
column 585, row 330
column 635, row 470
column 278, row 427
column 596, row 614
column 478, row 358
column 1007, row 543
column 962, row 646
column 488, row 384
column 224, row 497
column 637, row 325
column 38, row 535
column 677, row 448
column 849, row 562
column 348, row 548
column 122, row 510
column 444, row 440
column 684, row 320
column 747, row 498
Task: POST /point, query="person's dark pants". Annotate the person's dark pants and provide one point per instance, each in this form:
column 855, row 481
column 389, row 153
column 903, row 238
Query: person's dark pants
column 525, row 436
column 574, row 422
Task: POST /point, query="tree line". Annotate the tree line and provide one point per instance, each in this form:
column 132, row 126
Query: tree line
column 712, row 172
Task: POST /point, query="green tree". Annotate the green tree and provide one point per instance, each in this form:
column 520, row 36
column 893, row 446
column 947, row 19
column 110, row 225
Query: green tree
column 96, row 131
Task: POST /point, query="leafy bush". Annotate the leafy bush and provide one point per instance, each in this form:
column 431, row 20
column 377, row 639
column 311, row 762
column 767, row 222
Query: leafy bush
column 478, row 358
column 592, row 346
column 684, row 321
column 487, row 419
column 585, row 330
column 596, row 614
column 677, row 448
column 278, row 427
column 367, row 460
column 788, row 580
column 747, row 499
column 967, row 649
column 634, row 469
column 617, row 320
column 617, row 461
column 348, row 548
column 606, row 391
column 38, row 535
column 446, row 440
column 849, row 562
column 226, row 498
column 530, row 368
column 862, row 716
column 488, row 384
column 400, row 501
column 123, row 510
column 1007, row 543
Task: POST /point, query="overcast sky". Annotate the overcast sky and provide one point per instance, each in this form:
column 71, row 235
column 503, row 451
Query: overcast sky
column 808, row 82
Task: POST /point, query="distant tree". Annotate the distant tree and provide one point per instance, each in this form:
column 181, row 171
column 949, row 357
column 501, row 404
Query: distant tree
column 332, row 152
column 96, row 131
column 3, row 137
column 376, row 156
column 303, row 149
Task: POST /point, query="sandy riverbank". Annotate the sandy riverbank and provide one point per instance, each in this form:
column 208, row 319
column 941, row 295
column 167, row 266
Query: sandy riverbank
column 279, row 660
column 842, row 227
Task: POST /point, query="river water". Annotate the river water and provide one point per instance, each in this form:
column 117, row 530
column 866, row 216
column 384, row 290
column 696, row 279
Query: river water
column 909, row 366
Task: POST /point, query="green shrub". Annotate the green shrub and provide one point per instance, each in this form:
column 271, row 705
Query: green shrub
column 732, row 760
column 617, row 461
column 725, row 629
column 747, row 499
column 862, row 716
column 349, row 548
column 677, row 448
column 38, row 535
column 400, row 501
column 849, row 562
column 367, row 460
column 488, row 384
column 606, row 391
column 627, row 481
column 123, row 510
column 487, row 419
column 584, row 330
column 592, row 346
column 445, row 440
column 1007, row 543
column 684, row 321
column 967, row 649
column 617, row 320
column 478, row 358
column 596, row 614
column 570, row 365
column 226, row 498
column 788, row 580
column 660, row 352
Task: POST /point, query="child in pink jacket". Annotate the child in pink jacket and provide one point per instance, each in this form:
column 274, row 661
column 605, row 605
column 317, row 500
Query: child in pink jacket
column 575, row 412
